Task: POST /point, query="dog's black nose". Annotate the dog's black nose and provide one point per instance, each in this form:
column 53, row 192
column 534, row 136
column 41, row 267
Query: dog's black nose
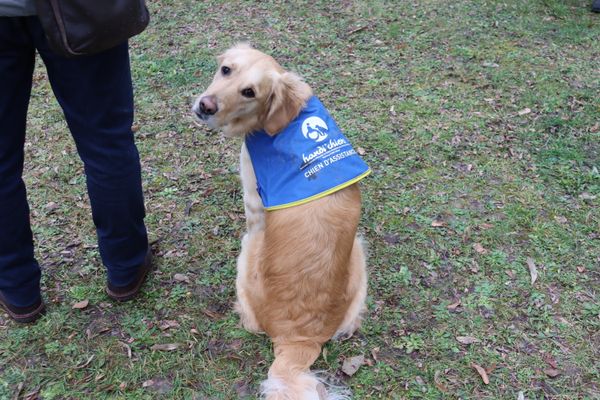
column 208, row 105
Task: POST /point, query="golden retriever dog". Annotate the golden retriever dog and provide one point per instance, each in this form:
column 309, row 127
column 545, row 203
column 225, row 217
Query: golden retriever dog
column 301, row 274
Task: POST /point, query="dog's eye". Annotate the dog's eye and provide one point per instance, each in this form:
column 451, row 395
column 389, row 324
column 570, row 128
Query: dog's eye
column 248, row 92
column 225, row 70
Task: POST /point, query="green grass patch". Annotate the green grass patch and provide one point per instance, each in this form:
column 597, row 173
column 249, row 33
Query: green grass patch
column 479, row 116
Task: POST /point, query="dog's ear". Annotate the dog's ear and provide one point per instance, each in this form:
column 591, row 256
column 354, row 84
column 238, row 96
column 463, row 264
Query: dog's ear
column 289, row 94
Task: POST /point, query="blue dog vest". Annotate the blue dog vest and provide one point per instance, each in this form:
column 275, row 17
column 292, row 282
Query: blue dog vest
column 309, row 159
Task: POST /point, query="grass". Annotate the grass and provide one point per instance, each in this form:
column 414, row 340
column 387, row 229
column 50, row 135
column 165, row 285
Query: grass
column 480, row 121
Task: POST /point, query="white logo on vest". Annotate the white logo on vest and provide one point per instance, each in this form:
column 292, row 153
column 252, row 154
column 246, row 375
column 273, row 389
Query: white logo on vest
column 314, row 128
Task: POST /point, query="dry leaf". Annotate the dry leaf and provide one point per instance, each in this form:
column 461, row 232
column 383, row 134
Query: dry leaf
column 80, row 305
column 375, row 353
column 437, row 223
column 159, row 385
column 467, row 339
column 51, row 206
column 532, row 269
column 361, row 151
column 127, row 348
column 551, row 372
column 352, row 364
column 391, row 238
column 32, row 395
column 166, row 324
column 181, row 278
column 85, row 364
column 488, row 64
column 479, row 248
column 20, row 387
column 436, row 379
column 212, row 314
column 453, row 306
column 581, row 269
column 360, row 28
column 242, row 390
column 165, row 347
column 587, row 196
column 481, row 373
column 560, row 219
column 525, row 111
column 551, row 361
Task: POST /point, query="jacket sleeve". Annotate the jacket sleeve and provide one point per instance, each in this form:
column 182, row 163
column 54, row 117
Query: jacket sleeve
column 17, row 8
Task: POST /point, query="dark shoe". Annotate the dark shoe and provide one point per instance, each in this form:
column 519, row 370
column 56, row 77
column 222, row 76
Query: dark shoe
column 124, row 293
column 596, row 6
column 23, row 314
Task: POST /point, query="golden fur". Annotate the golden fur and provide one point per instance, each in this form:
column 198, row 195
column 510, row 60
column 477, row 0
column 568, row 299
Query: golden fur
column 301, row 272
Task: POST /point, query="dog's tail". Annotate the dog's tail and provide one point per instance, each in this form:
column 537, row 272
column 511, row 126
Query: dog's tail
column 290, row 377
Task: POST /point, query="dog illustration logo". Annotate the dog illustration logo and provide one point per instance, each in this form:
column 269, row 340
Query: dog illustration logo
column 315, row 128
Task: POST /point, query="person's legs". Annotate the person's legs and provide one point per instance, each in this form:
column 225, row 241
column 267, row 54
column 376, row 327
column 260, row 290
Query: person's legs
column 96, row 95
column 19, row 271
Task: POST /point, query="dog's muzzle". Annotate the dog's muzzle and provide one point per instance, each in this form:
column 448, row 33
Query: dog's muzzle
column 205, row 107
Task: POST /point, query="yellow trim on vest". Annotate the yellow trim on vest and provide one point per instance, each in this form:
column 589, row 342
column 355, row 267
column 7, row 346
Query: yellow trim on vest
column 319, row 195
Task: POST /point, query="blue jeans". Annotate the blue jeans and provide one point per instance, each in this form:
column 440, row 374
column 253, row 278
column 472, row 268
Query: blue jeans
column 96, row 96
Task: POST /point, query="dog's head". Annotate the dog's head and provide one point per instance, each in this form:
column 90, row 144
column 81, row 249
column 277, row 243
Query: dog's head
column 249, row 92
